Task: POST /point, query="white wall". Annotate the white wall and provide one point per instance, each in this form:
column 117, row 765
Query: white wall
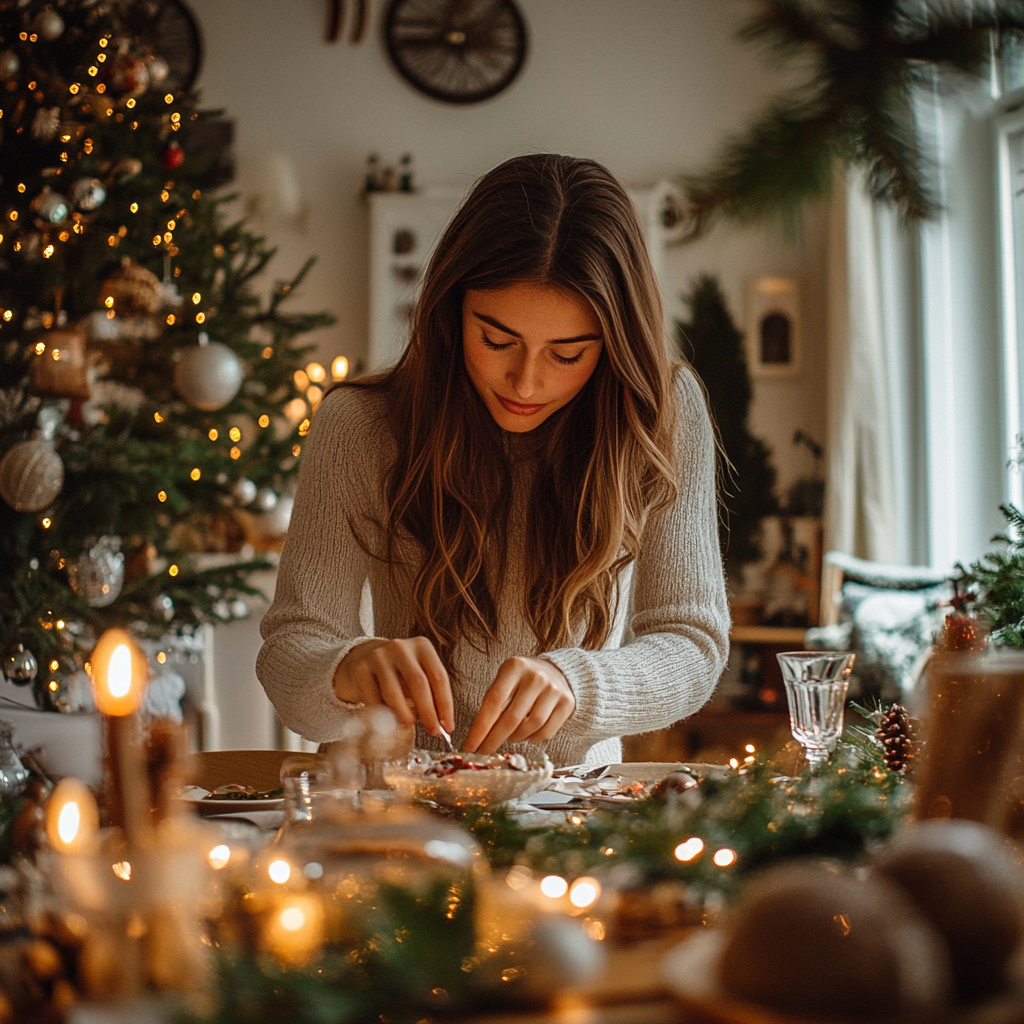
column 648, row 87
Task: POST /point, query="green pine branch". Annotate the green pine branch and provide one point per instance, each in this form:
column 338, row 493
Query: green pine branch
column 853, row 108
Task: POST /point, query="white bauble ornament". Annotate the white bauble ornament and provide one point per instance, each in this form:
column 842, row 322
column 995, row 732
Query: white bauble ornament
column 163, row 605
column 266, row 499
column 276, row 521
column 158, row 70
column 243, row 491
column 98, row 572
column 48, row 25
column 87, row 194
column 31, row 475
column 10, row 64
column 51, row 207
column 208, row 376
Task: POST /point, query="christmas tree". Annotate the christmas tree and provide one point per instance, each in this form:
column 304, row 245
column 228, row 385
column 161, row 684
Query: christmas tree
column 713, row 345
column 148, row 393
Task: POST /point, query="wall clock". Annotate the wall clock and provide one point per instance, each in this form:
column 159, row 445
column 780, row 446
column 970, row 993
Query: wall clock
column 456, row 51
column 176, row 38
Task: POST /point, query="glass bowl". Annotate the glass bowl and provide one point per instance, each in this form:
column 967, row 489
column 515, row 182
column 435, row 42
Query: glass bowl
column 498, row 778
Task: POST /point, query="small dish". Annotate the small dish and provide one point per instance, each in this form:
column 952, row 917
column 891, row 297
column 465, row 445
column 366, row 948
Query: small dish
column 196, row 798
column 494, row 781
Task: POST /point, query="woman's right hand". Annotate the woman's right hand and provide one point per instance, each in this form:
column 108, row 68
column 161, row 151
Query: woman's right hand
column 405, row 675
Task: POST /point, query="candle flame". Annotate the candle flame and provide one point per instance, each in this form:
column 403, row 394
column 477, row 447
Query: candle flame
column 292, row 918
column 119, row 674
column 72, row 818
column 69, row 819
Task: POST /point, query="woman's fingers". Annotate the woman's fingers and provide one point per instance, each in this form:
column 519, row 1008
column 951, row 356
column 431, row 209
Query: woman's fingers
column 437, row 678
column 398, row 673
column 536, row 718
column 529, row 699
column 493, row 705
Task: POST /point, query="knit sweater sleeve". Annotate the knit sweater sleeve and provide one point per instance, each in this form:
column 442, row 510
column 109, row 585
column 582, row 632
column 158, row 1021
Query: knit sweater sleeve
column 313, row 621
column 679, row 613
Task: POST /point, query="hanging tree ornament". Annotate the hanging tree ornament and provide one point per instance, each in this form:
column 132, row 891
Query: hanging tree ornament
column 20, row 666
column 10, row 63
column 208, row 375
column 50, row 207
column 98, row 572
column 172, row 156
column 131, row 289
column 158, row 70
column 164, row 605
column 31, row 475
column 61, row 369
column 129, row 76
column 266, row 499
column 243, row 491
column 46, row 124
column 48, row 25
column 87, row 194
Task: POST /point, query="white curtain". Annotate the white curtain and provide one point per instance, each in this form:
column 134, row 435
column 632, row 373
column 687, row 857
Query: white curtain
column 873, row 507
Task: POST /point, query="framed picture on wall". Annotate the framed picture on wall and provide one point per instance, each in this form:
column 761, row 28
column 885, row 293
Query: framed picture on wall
column 773, row 327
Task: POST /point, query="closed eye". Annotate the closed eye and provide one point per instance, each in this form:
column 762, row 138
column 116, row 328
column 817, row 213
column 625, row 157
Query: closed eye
column 494, row 345
column 568, row 360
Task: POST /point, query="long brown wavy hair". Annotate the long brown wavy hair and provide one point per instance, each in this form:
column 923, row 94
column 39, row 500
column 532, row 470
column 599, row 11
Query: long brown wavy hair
column 604, row 462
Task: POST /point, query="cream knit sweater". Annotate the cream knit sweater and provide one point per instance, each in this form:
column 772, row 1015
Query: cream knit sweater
column 667, row 647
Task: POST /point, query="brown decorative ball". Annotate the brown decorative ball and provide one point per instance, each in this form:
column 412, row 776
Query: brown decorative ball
column 31, row 475
column 134, row 289
column 965, row 880
column 814, row 941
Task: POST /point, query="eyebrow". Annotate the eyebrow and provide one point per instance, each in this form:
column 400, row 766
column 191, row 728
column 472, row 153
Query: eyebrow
column 515, row 334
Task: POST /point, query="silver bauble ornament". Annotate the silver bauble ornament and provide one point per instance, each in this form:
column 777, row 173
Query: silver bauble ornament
column 48, row 25
column 163, row 605
column 87, row 194
column 208, row 376
column 10, row 63
column 20, row 666
column 239, row 609
column 158, row 70
column 51, row 207
column 243, row 491
column 266, row 499
column 98, row 572
column 276, row 521
column 31, row 475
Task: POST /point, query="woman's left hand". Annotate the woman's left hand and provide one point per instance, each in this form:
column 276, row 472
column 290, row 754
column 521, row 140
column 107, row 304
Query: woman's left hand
column 529, row 699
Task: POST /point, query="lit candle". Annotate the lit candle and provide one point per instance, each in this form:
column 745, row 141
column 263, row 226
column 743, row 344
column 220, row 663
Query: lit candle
column 294, row 929
column 72, row 818
column 119, row 674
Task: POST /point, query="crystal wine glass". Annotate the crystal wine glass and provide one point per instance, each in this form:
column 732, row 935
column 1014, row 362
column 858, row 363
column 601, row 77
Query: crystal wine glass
column 816, row 683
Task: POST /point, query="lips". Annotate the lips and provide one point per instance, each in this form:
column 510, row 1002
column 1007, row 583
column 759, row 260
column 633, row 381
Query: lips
column 517, row 408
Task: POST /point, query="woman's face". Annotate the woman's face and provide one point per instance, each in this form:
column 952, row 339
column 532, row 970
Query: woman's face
column 529, row 349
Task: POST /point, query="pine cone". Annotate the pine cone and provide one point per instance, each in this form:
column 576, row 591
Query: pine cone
column 961, row 633
column 896, row 731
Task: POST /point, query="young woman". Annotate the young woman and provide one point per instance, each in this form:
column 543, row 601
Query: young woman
column 525, row 503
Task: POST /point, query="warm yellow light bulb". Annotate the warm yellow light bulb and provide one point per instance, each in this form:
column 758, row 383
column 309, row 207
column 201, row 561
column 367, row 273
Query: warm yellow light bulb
column 339, row 368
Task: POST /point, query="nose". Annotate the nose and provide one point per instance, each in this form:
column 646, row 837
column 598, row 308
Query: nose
column 525, row 376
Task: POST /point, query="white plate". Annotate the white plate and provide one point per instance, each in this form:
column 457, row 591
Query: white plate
column 205, row 807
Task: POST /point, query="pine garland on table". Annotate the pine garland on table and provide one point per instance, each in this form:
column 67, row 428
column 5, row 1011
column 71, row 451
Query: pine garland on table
column 837, row 810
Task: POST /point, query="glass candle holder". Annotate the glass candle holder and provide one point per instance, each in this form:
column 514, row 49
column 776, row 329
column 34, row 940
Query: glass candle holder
column 816, row 683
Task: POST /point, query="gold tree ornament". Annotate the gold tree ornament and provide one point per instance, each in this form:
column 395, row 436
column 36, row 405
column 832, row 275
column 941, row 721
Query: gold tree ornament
column 59, row 368
column 31, row 475
column 133, row 289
